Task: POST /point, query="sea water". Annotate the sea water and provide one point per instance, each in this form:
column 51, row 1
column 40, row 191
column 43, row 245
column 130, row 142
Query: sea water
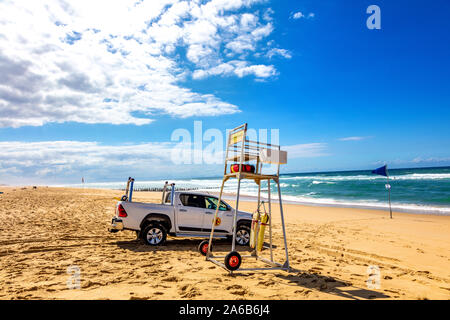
column 418, row 190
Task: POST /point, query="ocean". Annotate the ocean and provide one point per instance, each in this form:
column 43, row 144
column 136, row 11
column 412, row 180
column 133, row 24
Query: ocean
column 418, row 190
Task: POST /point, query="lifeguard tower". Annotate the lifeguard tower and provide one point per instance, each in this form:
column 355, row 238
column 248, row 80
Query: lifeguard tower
column 242, row 151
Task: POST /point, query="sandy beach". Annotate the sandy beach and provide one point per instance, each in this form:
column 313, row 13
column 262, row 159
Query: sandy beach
column 45, row 231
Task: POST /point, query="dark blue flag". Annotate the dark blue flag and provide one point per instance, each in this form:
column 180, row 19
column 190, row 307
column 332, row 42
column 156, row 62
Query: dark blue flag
column 381, row 171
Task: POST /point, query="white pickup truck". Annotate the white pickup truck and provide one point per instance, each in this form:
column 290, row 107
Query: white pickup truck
column 180, row 214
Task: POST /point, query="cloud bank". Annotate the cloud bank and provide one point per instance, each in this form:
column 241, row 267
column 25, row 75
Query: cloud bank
column 29, row 162
column 123, row 62
column 68, row 161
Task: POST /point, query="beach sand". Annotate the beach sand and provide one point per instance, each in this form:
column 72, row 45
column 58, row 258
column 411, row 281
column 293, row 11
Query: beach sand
column 45, row 231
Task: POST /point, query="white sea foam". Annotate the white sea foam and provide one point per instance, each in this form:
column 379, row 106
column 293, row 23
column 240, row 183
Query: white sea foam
column 322, row 182
column 412, row 176
column 285, row 181
column 366, row 204
column 289, row 185
column 423, row 176
column 332, row 178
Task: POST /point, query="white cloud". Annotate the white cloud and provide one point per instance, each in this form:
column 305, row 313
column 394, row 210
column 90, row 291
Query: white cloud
column 260, row 71
column 353, row 138
column 267, row 16
column 237, row 68
column 248, row 21
column 430, row 160
column 116, row 61
column 278, row 52
column 297, row 15
column 307, row 150
column 420, row 160
column 300, row 15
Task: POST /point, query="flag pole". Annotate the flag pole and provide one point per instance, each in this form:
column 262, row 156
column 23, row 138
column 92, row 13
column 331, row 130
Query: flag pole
column 389, row 191
column 383, row 171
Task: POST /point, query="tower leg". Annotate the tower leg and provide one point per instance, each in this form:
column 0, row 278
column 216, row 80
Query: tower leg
column 214, row 220
column 255, row 251
column 233, row 245
column 282, row 224
column 270, row 220
column 259, row 195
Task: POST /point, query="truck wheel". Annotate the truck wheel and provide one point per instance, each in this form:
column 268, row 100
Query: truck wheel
column 154, row 234
column 233, row 260
column 243, row 235
column 203, row 247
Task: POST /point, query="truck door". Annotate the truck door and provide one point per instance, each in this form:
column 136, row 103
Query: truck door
column 224, row 214
column 191, row 212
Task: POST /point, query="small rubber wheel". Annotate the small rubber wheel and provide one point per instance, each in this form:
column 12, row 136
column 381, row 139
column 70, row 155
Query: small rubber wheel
column 233, row 261
column 203, row 247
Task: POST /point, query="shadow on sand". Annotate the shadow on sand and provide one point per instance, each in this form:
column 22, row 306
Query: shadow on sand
column 181, row 244
column 307, row 280
column 328, row 284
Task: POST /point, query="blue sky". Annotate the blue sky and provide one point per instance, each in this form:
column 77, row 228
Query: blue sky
column 101, row 100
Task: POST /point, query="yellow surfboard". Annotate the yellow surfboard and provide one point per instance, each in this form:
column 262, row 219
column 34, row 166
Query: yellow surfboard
column 262, row 227
column 254, row 229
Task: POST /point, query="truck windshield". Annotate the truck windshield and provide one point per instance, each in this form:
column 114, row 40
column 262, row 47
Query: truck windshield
column 211, row 203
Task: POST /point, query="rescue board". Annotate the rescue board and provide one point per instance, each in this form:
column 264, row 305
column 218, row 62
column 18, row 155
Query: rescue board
column 254, row 230
column 264, row 219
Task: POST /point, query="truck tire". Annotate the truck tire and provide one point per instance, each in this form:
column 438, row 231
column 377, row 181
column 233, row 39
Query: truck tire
column 243, row 235
column 154, row 234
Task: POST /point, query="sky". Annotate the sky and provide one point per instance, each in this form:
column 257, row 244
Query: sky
column 96, row 89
